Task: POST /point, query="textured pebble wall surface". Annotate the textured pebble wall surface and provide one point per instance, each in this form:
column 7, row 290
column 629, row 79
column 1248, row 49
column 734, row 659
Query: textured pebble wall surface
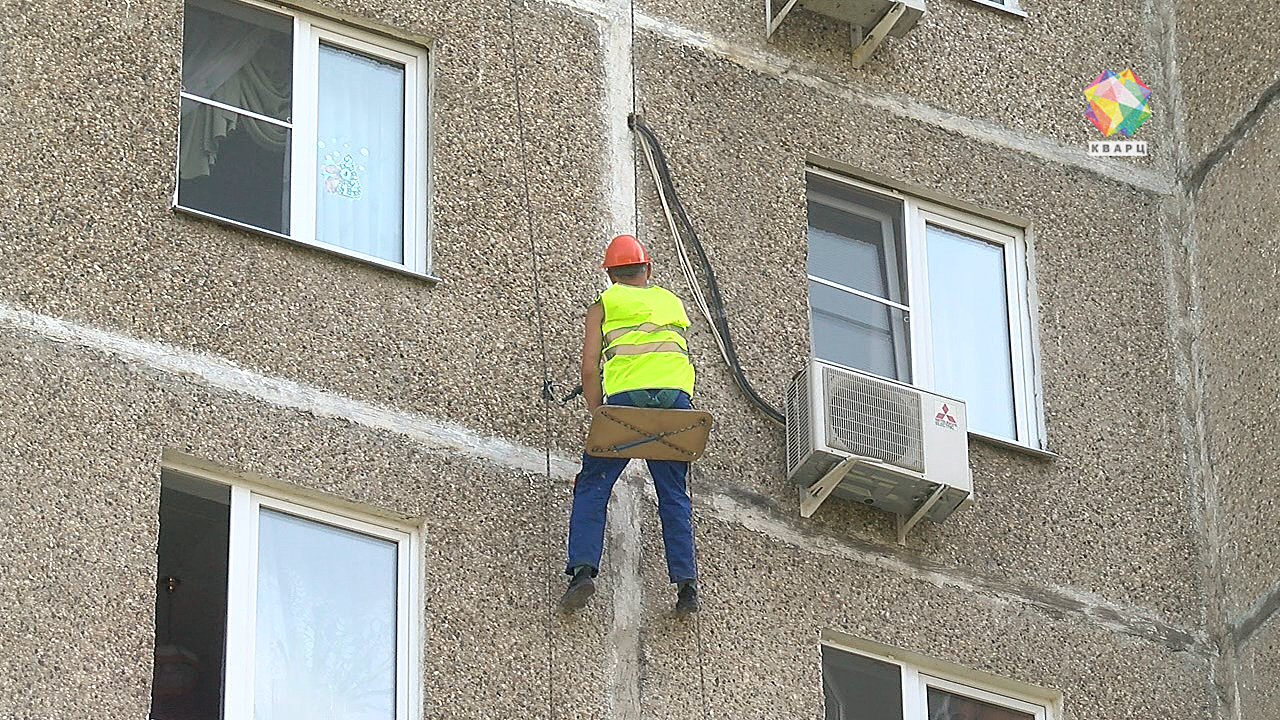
column 1107, row 531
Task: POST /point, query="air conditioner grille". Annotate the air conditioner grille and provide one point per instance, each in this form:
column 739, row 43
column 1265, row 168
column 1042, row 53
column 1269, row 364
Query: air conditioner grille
column 873, row 418
column 799, row 426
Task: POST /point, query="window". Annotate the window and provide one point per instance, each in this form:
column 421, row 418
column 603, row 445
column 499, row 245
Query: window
column 1012, row 6
column 925, row 295
column 304, row 129
column 859, row 685
column 272, row 610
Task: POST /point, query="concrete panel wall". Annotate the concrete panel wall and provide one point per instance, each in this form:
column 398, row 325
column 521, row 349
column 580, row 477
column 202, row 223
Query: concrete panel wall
column 1091, row 560
column 1237, row 250
column 85, row 432
column 1024, row 74
column 1105, row 353
column 1259, row 658
column 492, row 547
column 768, row 599
column 1235, row 247
column 91, row 237
column 1228, row 59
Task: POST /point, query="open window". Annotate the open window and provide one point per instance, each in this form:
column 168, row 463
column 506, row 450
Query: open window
column 269, row 608
column 305, row 129
column 927, row 295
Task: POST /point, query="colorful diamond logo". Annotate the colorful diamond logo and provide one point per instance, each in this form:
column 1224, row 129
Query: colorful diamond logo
column 1117, row 103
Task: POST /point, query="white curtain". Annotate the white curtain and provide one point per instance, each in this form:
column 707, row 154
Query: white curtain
column 326, row 623
column 969, row 317
column 360, row 154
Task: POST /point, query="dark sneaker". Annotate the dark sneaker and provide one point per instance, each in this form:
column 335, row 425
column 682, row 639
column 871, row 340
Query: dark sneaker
column 687, row 598
column 580, row 589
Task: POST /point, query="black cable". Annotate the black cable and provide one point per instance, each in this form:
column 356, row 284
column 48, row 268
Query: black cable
column 631, row 55
column 719, row 317
column 527, row 207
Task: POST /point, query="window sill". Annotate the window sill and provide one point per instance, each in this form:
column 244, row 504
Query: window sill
column 431, row 280
column 1005, row 8
column 1015, row 446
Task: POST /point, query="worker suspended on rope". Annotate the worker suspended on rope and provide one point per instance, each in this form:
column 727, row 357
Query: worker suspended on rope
column 634, row 353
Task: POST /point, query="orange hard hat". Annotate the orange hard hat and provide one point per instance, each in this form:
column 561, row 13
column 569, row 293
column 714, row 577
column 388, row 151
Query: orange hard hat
column 624, row 250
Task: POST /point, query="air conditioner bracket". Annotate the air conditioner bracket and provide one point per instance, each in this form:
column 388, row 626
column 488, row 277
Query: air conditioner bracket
column 812, row 497
column 773, row 21
column 866, row 44
column 906, row 523
column 863, row 41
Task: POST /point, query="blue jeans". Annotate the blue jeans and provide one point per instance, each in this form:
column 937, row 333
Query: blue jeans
column 594, row 485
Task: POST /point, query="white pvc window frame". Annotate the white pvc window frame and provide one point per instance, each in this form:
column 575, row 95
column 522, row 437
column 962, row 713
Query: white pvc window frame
column 917, row 215
column 1013, row 7
column 308, row 33
column 925, row 681
column 247, row 499
column 917, row 678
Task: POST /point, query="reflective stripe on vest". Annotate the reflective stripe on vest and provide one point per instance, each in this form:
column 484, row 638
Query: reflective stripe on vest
column 642, row 327
column 644, row 343
column 645, row 348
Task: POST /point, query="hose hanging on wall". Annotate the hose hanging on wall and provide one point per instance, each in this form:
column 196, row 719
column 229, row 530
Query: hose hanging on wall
column 711, row 304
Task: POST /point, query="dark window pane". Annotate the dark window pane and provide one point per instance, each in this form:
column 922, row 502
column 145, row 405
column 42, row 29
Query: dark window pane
column 855, row 687
column 945, row 705
column 238, row 55
column 859, row 333
column 856, row 239
column 234, row 167
column 191, row 599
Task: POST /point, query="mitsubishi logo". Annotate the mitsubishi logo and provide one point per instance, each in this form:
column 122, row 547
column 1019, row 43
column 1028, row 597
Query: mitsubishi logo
column 944, row 418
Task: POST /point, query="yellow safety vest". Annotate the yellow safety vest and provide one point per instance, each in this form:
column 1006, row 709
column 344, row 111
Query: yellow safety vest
column 644, row 344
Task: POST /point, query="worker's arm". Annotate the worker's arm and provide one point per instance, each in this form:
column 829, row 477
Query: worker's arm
column 592, row 346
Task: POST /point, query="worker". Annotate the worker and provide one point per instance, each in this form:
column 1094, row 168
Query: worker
column 633, row 353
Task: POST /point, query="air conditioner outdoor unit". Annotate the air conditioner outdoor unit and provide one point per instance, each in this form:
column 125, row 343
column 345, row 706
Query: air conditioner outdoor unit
column 870, row 20
column 878, row 442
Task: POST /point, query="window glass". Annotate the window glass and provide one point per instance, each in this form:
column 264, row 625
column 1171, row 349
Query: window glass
column 856, row 687
column 326, row 622
column 856, row 244
column 238, row 55
column 309, row 621
column 856, row 240
column 191, row 599
column 969, row 321
column 856, row 332
column 945, row 705
column 264, row 90
column 360, row 131
column 234, row 167
column 868, row 251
